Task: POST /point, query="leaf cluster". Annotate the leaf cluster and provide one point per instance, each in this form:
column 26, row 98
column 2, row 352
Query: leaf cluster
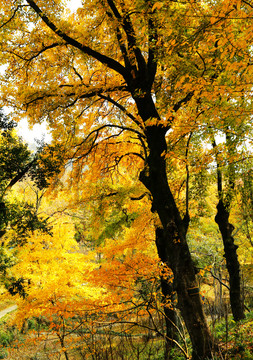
column 49, row 163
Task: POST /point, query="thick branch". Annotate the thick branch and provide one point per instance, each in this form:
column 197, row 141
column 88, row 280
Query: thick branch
column 130, row 33
column 231, row 170
column 111, row 63
column 121, row 43
column 152, row 41
column 185, row 100
column 219, row 173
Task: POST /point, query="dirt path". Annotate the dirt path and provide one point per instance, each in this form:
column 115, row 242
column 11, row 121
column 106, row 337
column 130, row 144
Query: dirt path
column 7, row 310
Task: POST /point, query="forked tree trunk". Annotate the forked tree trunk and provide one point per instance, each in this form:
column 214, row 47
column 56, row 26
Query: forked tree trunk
column 174, row 246
column 232, row 263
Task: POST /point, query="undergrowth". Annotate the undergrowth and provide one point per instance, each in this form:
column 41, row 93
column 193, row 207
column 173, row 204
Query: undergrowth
column 235, row 339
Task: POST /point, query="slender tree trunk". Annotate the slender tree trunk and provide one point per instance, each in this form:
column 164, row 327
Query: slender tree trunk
column 175, row 248
column 233, row 266
column 226, row 230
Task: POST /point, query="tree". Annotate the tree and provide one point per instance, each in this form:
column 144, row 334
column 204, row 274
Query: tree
column 226, row 228
column 18, row 219
column 79, row 290
column 15, row 162
column 134, row 68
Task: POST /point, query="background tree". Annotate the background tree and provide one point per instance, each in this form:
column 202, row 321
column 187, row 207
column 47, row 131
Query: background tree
column 18, row 218
column 226, row 228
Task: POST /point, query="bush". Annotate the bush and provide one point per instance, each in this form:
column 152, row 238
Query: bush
column 6, row 337
column 3, row 354
column 236, row 337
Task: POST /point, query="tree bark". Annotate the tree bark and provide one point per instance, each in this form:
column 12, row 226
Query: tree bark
column 171, row 318
column 174, row 247
column 233, row 266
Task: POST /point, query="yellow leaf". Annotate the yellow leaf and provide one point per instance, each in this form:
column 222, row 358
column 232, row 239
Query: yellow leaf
column 157, row 6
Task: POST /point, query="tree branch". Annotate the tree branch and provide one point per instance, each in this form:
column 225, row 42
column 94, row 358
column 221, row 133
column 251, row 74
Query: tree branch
column 152, row 43
column 139, row 197
column 220, row 281
column 106, row 60
column 88, row 94
column 20, row 175
column 247, row 3
column 121, row 107
column 185, row 100
column 121, row 44
column 187, row 216
column 96, row 131
column 93, row 144
column 13, row 15
column 219, row 173
column 130, row 33
column 41, row 51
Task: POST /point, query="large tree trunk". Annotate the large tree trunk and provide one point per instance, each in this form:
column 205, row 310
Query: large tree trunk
column 233, row 266
column 175, row 247
column 171, row 318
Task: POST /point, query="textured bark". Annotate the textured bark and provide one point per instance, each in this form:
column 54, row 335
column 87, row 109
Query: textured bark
column 174, row 246
column 171, row 318
column 233, row 266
